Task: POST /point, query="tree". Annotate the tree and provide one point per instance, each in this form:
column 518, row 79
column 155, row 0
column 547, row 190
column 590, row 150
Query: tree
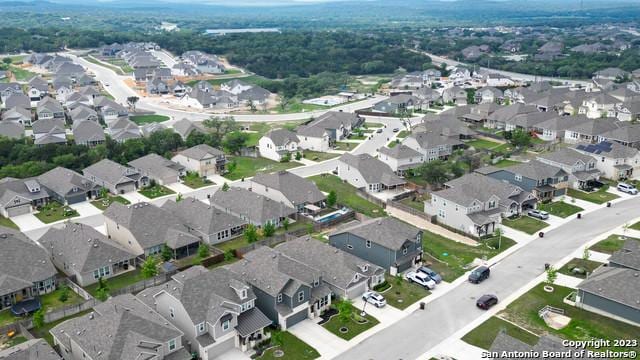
column 132, row 100
column 252, row 106
column 225, row 187
column 38, row 318
column 434, row 172
column 64, row 292
column 203, row 251
column 268, row 229
column 345, row 310
column 586, row 254
column 179, row 197
column 103, row 193
column 231, row 166
column 235, row 141
column 150, row 267
column 250, row 233
column 456, row 169
column 102, row 294
column 520, row 138
column 332, row 198
column 286, row 158
column 7, row 60
column 166, row 254
column 229, row 255
column 498, row 233
column 298, row 156
column 285, row 224
column 552, row 275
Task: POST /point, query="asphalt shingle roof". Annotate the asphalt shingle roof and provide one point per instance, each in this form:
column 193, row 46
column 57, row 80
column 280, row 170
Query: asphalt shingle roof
column 388, row 232
column 296, row 189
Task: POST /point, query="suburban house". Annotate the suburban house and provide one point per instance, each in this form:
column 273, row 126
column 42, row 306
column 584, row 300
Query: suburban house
column 82, row 113
column 400, row 158
column 122, row 327
column 123, row 129
column 109, row 110
column 17, row 115
column 278, row 143
column 321, row 133
column 159, row 169
column 625, row 135
column 287, row 291
column 615, row 161
column 206, row 222
column 18, row 100
column 203, row 159
column 582, row 169
column 293, row 190
column 628, row 256
column 252, row 207
column 21, row 196
column 475, row 204
column 366, row 172
column 397, row 104
column 143, row 228
column 504, row 345
column 11, row 130
column 554, row 129
column 88, row 132
column 185, row 127
column 598, row 105
column 590, row 131
column 37, row 88
column 455, row 94
column 314, row 138
column 6, row 89
column 116, row 178
column 85, row 254
column 543, row 180
column 432, row 145
column 49, row 108
column 34, row 349
column 489, row 94
column 387, row 242
column 49, row 131
column 499, row 118
column 67, row 186
column 25, row 269
column 346, row 275
column 215, row 309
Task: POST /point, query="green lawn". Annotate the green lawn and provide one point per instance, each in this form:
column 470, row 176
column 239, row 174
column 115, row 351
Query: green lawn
column 241, row 241
column 104, row 203
column 635, row 226
column 599, row 197
column 195, row 181
column 146, row 119
column 346, row 195
column 54, row 211
column 587, row 265
column 345, row 146
column 21, row 74
column 611, row 244
column 392, row 144
column 560, row 208
column 452, row 258
column 52, row 301
column 481, row 144
column 504, row 163
column 403, row 293
column 403, row 134
column 248, row 166
column 155, row 191
column 43, row 332
column 6, row 317
column 584, row 324
column 319, row 156
column 298, row 107
column 19, row 339
column 118, row 282
column 8, row 223
column 354, row 328
column 483, row 335
column 418, row 203
column 373, row 125
column 293, row 349
column 93, row 60
column 525, row 224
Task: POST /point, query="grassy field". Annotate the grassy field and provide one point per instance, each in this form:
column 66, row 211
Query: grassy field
column 346, row 146
column 373, row 125
column 8, row 223
column 146, row 119
column 482, row 144
column 635, row 226
column 611, row 244
column 403, row 134
column 195, row 181
column 583, row 325
column 418, row 203
column 21, row 74
column 560, row 208
column 118, row 282
column 353, row 327
column 298, row 107
column 347, row 195
column 55, row 211
column 599, row 197
column 103, row 204
column 252, row 79
column 155, row 191
column 587, row 265
column 525, row 224
column 319, row 156
column 6, row 317
column 483, row 335
column 450, row 258
column 93, row 60
column 52, row 300
column 393, row 143
column 403, row 293
column 293, row 349
column 504, row 163
column 248, row 166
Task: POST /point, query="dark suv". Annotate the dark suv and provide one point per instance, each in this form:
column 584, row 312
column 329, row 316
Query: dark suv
column 486, row 301
column 479, row 275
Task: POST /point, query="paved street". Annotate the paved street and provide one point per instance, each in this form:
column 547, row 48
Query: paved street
column 444, row 316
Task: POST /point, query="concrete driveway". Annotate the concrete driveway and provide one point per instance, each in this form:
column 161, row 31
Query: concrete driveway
column 327, row 344
column 180, row 188
column 234, row 354
column 86, row 209
column 135, row 197
column 27, row 222
column 386, row 315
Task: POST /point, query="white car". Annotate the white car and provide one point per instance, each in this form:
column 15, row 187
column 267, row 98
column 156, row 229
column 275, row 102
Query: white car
column 421, row 279
column 627, row 188
column 374, row 298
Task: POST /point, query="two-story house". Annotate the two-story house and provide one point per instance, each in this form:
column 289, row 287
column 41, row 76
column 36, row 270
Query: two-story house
column 293, row 190
column 615, row 161
column 116, row 178
column 400, row 158
column 544, row 181
column 163, row 171
column 432, row 145
column 582, row 169
column 278, row 143
column 203, row 159
column 368, row 173
column 252, row 207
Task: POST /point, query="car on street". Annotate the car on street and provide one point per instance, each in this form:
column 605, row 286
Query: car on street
column 432, row 274
column 538, row 214
column 421, row 279
column 479, row 275
column 379, row 131
column 485, row 302
column 395, row 130
column 627, row 188
column 374, row 298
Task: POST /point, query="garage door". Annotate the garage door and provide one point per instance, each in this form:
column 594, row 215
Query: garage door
column 221, row 348
column 19, row 210
column 296, row 318
column 357, row 290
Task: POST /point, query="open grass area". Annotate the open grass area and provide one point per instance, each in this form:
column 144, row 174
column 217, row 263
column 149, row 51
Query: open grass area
column 560, row 208
column 481, row 144
column 368, row 124
column 252, row 79
column 6, row 317
column 146, row 119
column 504, row 163
column 6, row 222
column 403, row 293
column 403, row 134
column 635, row 226
column 104, row 203
column 346, row 195
column 417, row 201
column 93, row 60
column 155, row 191
column 16, row 340
column 584, row 324
column 346, row 146
column 600, row 196
column 21, row 74
column 54, row 211
column 587, row 265
column 353, row 326
column 484, row 335
column 451, row 258
column 611, row 244
column 195, row 181
column 525, row 224
column 118, row 282
column 293, row 349
column 393, row 143
column 319, row 156
column 298, row 107
column 248, row 166
column 52, row 300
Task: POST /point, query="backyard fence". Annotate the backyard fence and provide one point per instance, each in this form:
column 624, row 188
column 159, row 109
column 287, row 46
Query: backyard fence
column 363, row 194
column 141, row 285
column 408, row 209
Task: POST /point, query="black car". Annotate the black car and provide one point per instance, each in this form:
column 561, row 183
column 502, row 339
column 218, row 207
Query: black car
column 486, row 301
column 479, row 275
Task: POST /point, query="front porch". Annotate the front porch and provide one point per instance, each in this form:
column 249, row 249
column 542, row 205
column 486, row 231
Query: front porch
column 250, row 328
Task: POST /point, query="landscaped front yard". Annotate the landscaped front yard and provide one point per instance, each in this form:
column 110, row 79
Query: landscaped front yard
column 346, row 146
column 247, row 166
column 402, row 293
column 353, row 326
column 8, row 223
column 195, row 181
column 484, row 335
column 155, row 191
column 346, row 195
column 318, row 156
column 146, row 119
column 104, row 203
column 403, row 134
column 54, row 211
column 635, row 226
column 611, row 244
column 580, row 268
column 451, row 258
column 293, row 349
column 600, row 196
column 525, row 224
column 560, row 208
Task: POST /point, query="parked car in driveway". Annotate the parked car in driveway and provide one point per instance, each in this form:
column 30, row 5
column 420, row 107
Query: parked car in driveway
column 395, row 130
column 479, row 275
column 374, row 298
column 627, row 188
column 432, row 274
column 421, row 279
column 485, row 302
column 539, row 214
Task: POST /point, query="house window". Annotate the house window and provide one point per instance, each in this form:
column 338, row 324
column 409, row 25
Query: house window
column 243, row 294
column 301, row 296
column 368, row 243
column 201, row 327
column 316, row 282
column 404, row 251
column 518, row 177
column 172, row 345
column 279, row 298
column 441, row 213
column 492, row 204
column 350, row 247
column 172, row 312
column 225, row 325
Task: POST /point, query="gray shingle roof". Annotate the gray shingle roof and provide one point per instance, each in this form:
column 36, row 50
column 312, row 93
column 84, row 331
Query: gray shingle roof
column 431, row 140
column 372, row 170
column 508, row 112
column 111, row 172
column 296, row 189
column 621, row 285
column 251, row 321
column 11, row 130
column 630, row 133
column 63, row 181
column 470, row 187
column 254, row 207
column 201, row 151
column 535, row 169
column 399, row 152
column 282, row 137
column 595, row 127
column 388, row 232
column 85, row 131
column 51, row 126
column 156, row 166
column 566, row 156
column 17, row 100
column 202, row 217
column 34, row 349
column 628, row 256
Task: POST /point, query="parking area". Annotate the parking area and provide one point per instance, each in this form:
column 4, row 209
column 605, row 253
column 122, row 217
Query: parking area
column 85, row 209
column 326, row 343
column 180, row 188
